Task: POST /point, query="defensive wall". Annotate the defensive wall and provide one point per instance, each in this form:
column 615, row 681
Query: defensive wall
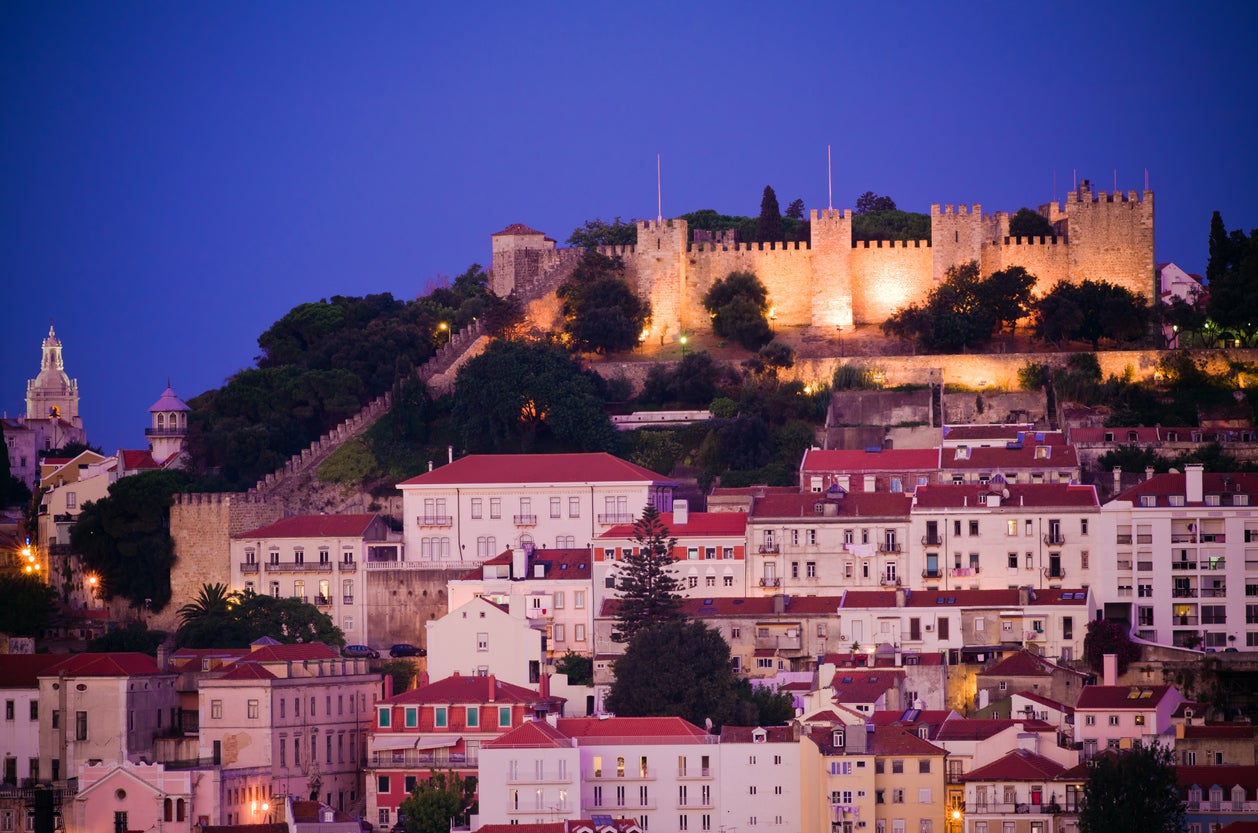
column 833, row 281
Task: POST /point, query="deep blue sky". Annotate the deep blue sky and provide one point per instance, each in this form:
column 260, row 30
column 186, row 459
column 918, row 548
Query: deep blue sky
column 177, row 176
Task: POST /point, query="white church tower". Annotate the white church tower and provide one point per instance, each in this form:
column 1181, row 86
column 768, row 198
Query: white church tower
column 168, row 427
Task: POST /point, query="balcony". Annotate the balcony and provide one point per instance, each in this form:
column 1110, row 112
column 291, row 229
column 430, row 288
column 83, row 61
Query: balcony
column 347, row 600
column 780, row 641
column 1003, row 808
column 347, row 566
column 248, row 566
column 770, row 582
column 322, row 601
column 889, row 581
column 1183, row 621
column 890, row 547
column 1054, row 572
column 935, row 573
column 1183, row 592
column 961, row 572
column 770, row 549
column 524, row 520
column 1214, row 564
column 1214, row 592
column 1054, row 539
column 615, row 518
column 1123, row 539
column 932, row 541
column 440, row 759
column 298, row 567
column 1183, row 565
column 165, row 432
column 1183, row 538
column 434, row 520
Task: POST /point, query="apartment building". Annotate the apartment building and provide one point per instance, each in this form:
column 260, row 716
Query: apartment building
column 869, row 470
column 1184, row 569
column 482, row 636
column 320, row 559
column 468, row 511
column 999, row 534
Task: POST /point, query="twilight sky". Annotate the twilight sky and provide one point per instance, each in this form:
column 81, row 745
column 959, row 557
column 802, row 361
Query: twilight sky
column 177, row 176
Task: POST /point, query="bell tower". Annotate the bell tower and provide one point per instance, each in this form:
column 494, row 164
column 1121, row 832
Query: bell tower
column 52, row 394
column 168, row 426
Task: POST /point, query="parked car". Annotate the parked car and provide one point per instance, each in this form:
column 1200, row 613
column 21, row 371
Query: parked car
column 360, row 651
column 403, row 649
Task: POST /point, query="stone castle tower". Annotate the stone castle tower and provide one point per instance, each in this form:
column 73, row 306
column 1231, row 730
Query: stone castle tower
column 833, row 281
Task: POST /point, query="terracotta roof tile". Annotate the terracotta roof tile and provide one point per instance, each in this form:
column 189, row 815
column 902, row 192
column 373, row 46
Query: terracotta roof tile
column 951, row 495
column 1226, row 776
column 290, row 653
column 459, row 689
column 313, row 526
column 533, row 735
column 674, row 728
column 515, row 229
column 745, row 734
column 980, row 729
column 1017, row 765
column 247, row 671
column 1023, row 663
column 706, row 524
column 123, row 664
column 859, row 461
column 1163, row 485
column 1121, row 697
column 896, row 740
column 597, row 467
column 23, row 670
column 803, row 505
column 1004, row 433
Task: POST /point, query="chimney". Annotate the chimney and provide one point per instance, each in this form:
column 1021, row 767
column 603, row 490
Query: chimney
column 388, row 686
column 899, row 597
column 1192, row 483
column 492, row 682
column 519, row 563
column 1118, row 479
column 1110, row 666
column 779, row 603
column 1148, row 473
column 449, row 454
column 543, row 687
column 1024, row 596
column 681, row 512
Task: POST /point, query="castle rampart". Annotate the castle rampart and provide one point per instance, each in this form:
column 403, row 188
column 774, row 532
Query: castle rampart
column 832, row 281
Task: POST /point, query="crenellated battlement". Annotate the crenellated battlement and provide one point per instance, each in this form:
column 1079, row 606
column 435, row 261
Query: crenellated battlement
column 617, row 251
column 826, row 215
column 658, row 225
column 890, row 244
column 976, row 209
column 1028, row 241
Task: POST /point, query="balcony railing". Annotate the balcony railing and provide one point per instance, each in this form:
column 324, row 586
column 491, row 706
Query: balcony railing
column 1054, row 539
column 248, row 566
column 929, row 573
column 1123, row 538
column 1214, row 592
column 932, row 541
column 770, row 582
column 1183, row 621
column 347, row 600
column 414, row 757
column 1183, row 565
column 347, row 566
column 293, row 567
column 890, row 547
column 1054, row 572
column 614, row 518
column 525, row 520
column 165, row 432
column 889, row 581
column 1214, row 564
column 322, row 601
column 1005, row 808
column 1183, row 592
column 434, row 520
column 769, row 548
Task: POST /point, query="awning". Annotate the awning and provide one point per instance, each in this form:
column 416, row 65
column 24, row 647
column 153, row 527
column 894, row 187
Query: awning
column 386, row 743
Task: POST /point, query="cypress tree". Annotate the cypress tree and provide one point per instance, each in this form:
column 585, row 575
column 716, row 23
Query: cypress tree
column 1219, row 249
column 769, row 228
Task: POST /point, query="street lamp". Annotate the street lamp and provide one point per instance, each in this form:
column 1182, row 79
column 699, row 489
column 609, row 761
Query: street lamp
column 683, row 341
column 444, row 328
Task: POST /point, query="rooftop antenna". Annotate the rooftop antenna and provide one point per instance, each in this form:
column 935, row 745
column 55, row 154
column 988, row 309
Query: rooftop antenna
column 830, row 177
column 1116, row 180
column 1054, row 199
column 1076, row 179
column 1146, row 179
column 659, row 198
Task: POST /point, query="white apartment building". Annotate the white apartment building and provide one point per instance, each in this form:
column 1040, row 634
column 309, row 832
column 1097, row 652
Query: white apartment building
column 817, row 544
column 481, row 636
column 1000, row 534
column 1183, row 563
column 320, row 559
column 19, row 690
column 468, row 511
column 553, row 588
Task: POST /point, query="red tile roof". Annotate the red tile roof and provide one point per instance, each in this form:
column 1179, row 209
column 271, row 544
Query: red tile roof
column 859, row 461
column 1097, row 434
column 1162, row 485
column 122, row 664
column 516, row 228
column 999, row 457
column 305, row 811
column 596, row 467
column 1017, row 765
column 986, row 432
column 745, row 734
column 536, row 734
column 952, row 496
column 561, row 565
column 467, row 690
column 1046, row 701
column 138, row 459
column 706, row 524
column 1023, row 663
column 290, row 653
column 1121, row 697
column 23, row 670
column 247, row 671
column 672, row 728
column 313, row 526
column 864, row 686
column 803, row 506
column 1236, row 731
column 1226, row 776
column 979, row 729
column 912, row 717
column 896, row 740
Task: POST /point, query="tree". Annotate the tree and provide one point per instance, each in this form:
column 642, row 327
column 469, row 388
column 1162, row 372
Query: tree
column 891, row 225
column 28, row 604
column 1089, row 311
column 774, row 356
column 402, row 671
column 578, row 668
column 795, row 210
column 124, row 538
column 521, row 396
column 1135, row 791
column 134, row 636
column 676, row 668
column 1008, row 291
column 869, row 203
column 761, row 705
column 602, row 313
column 648, row 591
column 437, row 802
column 964, row 310
column 1233, row 275
column 646, row 585
column 1028, row 223
column 235, row 620
column 1109, row 636
column 769, row 227
column 739, row 305
column 596, row 232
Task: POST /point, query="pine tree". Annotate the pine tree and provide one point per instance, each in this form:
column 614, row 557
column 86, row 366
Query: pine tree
column 1218, row 263
column 646, row 585
column 769, row 228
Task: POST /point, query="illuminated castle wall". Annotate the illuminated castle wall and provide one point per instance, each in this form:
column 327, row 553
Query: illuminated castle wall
column 833, row 282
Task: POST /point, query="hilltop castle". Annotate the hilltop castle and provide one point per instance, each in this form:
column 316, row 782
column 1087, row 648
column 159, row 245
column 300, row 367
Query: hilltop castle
column 832, row 281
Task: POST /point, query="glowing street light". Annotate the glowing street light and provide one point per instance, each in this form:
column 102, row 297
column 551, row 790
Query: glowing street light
column 683, row 341
column 444, row 328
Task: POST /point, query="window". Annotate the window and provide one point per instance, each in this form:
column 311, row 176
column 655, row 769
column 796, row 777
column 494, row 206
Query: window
column 252, row 709
column 556, row 507
column 924, row 795
column 495, row 507
column 574, row 507
column 973, row 528
column 504, row 716
column 80, row 725
column 1113, row 720
column 482, row 642
column 1013, row 561
column 411, row 717
column 477, row 507
column 558, row 633
column 897, row 766
column 897, row 795
column 440, row 717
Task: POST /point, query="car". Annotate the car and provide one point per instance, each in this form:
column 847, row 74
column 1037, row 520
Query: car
column 403, row 649
column 360, row 651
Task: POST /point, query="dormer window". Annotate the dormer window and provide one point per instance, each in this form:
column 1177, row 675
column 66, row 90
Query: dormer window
column 1212, row 500
column 1132, row 436
column 1042, row 452
column 1240, row 500
column 1175, row 500
column 963, row 452
column 840, row 739
column 1148, row 500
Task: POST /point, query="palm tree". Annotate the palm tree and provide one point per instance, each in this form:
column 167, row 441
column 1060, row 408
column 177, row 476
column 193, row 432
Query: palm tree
column 213, row 601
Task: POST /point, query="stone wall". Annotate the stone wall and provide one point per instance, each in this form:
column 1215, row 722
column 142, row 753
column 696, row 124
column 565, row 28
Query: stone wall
column 400, row 602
